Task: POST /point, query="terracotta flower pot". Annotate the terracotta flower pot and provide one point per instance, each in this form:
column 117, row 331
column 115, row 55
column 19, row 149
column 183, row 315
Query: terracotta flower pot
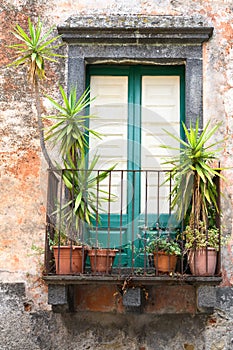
column 164, row 262
column 102, row 259
column 69, row 260
column 202, row 262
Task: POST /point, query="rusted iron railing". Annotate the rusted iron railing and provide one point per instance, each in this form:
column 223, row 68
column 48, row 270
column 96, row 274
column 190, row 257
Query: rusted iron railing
column 128, row 210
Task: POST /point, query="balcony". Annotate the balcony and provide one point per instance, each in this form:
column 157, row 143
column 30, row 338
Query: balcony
column 128, row 211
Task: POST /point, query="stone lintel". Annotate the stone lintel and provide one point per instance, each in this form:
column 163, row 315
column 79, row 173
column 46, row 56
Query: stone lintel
column 135, row 36
column 135, row 30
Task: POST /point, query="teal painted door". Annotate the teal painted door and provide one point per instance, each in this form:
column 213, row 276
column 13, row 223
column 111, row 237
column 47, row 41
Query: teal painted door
column 132, row 105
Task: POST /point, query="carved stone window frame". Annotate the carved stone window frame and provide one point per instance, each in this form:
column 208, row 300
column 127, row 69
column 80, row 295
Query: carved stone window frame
column 154, row 40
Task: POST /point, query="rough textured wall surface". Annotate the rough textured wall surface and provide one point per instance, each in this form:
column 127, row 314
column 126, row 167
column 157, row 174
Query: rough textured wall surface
column 43, row 330
column 23, row 191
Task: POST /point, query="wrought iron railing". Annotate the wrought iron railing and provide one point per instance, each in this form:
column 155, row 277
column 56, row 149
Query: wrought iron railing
column 121, row 214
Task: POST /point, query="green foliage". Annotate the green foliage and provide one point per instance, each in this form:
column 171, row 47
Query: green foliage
column 164, row 244
column 34, row 49
column 83, row 185
column 37, row 250
column 70, row 128
column 193, row 174
column 70, row 132
column 199, row 237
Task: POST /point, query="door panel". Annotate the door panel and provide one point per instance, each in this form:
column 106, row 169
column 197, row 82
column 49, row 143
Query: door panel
column 132, row 112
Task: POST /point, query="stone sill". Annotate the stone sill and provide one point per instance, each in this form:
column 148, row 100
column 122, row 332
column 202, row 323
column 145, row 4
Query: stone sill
column 145, row 280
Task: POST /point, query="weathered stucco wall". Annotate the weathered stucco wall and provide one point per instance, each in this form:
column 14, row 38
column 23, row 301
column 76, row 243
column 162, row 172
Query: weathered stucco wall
column 23, row 187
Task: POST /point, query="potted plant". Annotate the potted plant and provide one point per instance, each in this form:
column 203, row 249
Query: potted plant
column 83, row 196
column 101, row 259
column 202, row 246
column 194, row 195
column 33, row 50
column 69, row 255
column 165, row 251
column 83, row 207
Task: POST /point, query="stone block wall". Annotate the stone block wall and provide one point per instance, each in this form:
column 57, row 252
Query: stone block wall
column 26, row 320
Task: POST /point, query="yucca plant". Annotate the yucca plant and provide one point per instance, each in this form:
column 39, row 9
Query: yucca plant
column 193, row 173
column 70, row 130
column 33, row 50
column 85, row 199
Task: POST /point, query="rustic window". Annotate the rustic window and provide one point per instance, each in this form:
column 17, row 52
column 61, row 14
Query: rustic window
column 147, row 75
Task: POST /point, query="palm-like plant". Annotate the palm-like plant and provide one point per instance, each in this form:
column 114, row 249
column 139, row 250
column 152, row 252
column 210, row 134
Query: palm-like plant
column 85, row 195
column 193, row 173
column 33, row 50
column 70, row 129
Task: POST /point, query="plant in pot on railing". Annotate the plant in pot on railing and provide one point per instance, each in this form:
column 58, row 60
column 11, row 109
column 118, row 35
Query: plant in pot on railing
column 194, row 193
column 69, row 254
column 78, row 210
column 101, row 259
column 165, row 251
column 85, row 206
column 81, row 182
column 198, row 242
